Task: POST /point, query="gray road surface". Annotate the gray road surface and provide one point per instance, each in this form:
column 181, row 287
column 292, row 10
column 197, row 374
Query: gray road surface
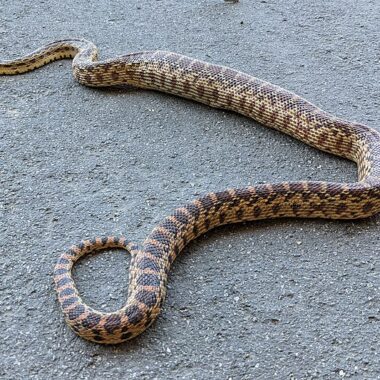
column 289, row 299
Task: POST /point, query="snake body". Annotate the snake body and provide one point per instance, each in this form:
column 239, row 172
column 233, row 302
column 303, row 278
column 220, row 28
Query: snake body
column 219, row 87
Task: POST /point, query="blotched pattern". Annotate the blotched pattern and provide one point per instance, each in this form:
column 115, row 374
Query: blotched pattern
column 219, row 87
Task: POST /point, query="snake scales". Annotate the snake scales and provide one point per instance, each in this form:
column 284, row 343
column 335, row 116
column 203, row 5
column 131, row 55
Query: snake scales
column 219, row 87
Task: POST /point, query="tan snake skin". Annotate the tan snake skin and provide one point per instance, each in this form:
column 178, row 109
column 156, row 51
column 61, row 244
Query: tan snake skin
column 219, row 87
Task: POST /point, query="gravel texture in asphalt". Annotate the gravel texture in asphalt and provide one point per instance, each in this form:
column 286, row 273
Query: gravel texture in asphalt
column 287, row 299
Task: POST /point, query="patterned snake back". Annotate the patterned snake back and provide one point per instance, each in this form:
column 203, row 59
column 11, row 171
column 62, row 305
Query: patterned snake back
column 219, row 87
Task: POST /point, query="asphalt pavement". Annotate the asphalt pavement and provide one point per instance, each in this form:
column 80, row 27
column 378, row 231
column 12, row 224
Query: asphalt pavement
column 288, row 299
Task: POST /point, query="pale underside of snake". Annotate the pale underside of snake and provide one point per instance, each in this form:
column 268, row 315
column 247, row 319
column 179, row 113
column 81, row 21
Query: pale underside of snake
column 219, row 87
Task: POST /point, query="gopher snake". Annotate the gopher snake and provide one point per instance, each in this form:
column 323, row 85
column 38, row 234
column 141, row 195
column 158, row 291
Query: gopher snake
column 219, row 87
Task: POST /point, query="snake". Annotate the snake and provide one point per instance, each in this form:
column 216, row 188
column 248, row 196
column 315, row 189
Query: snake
column 219, row 87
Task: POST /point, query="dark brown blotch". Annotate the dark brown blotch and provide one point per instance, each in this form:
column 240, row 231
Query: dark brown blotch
column 296, row 187
column 146, row 297
column 112, row 323
column 154, row 250
column 207, row 202
column 60, row 271
column 148, row 279
column 169, row 226
column 147, row 263
column 280, row 188
column 173, row 82
column 115, row 75
column 334, row 189
column 62, row 261
column 66, row 292
column 296, row 207
column 200, row 90
column 223, row 196
column 256, row 211
column 181, row 216
column 306, row 196
column 341, row 208
column 193, row 209
column 134, row 316
column 186, row 86
column 161, row 238
column 63, row 281
column 239, row 214
column 99, row 77
column 91, row 321
column 368, row 207
column 69, row 302
column 76, row 312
